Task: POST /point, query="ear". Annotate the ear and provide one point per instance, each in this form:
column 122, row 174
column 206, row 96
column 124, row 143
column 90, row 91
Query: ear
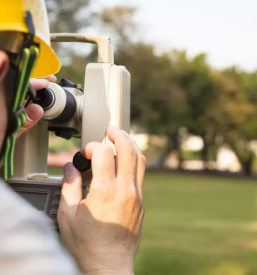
column 4, row 65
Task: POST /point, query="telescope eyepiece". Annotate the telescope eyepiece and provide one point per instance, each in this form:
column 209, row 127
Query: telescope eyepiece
column 69, row 109
column 45, row 98
column 58, row 102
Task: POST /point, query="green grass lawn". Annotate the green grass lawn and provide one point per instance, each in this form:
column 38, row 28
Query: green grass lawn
column 198, row 225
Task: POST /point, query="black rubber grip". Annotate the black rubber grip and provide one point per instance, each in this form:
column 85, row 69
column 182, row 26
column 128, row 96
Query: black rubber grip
column 81, row 163
column 68, row 111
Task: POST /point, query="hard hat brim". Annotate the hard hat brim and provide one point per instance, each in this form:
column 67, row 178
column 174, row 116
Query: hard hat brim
column 47, row 63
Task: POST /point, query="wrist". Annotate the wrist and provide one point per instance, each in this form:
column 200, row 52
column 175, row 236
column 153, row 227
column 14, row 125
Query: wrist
column 110, row 272
column 107, row 266
column 110, row 269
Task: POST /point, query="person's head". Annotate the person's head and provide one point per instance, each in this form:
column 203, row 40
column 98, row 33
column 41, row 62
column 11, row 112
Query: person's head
column 25, row 52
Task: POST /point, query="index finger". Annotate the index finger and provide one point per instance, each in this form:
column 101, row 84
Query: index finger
column 51, row 78
column 126, row 153
column 102, row 160
column 41, row 83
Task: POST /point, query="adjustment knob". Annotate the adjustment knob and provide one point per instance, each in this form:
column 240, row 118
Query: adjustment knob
column 81, row 163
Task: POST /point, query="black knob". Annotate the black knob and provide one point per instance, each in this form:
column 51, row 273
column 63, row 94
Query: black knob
column 63, row 81
column 45, row 98
column 81, row 163
column 66, row 83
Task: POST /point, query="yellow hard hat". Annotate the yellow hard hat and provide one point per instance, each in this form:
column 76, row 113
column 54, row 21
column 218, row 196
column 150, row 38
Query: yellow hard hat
column 12, row 19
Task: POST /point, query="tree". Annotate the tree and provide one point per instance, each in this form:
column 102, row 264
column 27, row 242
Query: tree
column 169, row 90
column 72, row 17
column 119, row 22
column 240, row 126
column 68, row 16
column 157, row 102
column 202, row 86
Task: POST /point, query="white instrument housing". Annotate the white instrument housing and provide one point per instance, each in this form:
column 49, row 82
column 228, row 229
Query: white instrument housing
column 106, row 101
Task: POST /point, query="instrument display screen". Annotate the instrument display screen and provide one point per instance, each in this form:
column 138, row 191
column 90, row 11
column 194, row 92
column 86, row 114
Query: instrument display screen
column 38, row 200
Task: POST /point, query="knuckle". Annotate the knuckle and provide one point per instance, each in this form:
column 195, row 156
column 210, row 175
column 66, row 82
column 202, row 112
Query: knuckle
column 131, row 152
column 134, row 198
column 142, row 159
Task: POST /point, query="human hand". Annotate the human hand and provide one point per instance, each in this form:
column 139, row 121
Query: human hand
column 103, row 231
column 34, row 112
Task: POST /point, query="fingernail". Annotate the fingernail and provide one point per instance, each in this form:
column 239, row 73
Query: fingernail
column 34, row 112
column 68, row 172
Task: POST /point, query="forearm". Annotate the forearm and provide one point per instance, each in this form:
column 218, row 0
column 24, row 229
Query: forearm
column 103, row 231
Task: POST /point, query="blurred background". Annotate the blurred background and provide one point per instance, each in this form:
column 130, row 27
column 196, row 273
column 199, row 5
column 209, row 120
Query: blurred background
column 193, row 68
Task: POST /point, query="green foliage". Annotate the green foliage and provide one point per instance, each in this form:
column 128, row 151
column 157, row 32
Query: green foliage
column 57, row 144
column 191, row 155
column 68, row 16
column 118, row 21
column 169, row 90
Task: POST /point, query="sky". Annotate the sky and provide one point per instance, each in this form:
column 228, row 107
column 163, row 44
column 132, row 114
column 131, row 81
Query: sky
column 224, row 29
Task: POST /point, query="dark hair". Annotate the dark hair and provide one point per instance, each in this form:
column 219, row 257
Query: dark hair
column 9, row 85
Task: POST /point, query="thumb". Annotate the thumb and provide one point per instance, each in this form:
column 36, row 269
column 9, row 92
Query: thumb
column 71, row 190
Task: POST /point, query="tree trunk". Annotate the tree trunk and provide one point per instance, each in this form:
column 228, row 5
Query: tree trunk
column 171, row 145
column 180, row 158
column 161, row 160
column 247, row 165
column 208, row 143
column 204, row 157
column 204, row 152
column 245, row 158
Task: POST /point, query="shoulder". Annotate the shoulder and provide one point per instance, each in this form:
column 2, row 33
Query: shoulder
column 14, row 209
column 28, row 243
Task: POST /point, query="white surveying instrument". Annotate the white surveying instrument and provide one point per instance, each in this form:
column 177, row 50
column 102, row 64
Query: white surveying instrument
column 70, row 111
